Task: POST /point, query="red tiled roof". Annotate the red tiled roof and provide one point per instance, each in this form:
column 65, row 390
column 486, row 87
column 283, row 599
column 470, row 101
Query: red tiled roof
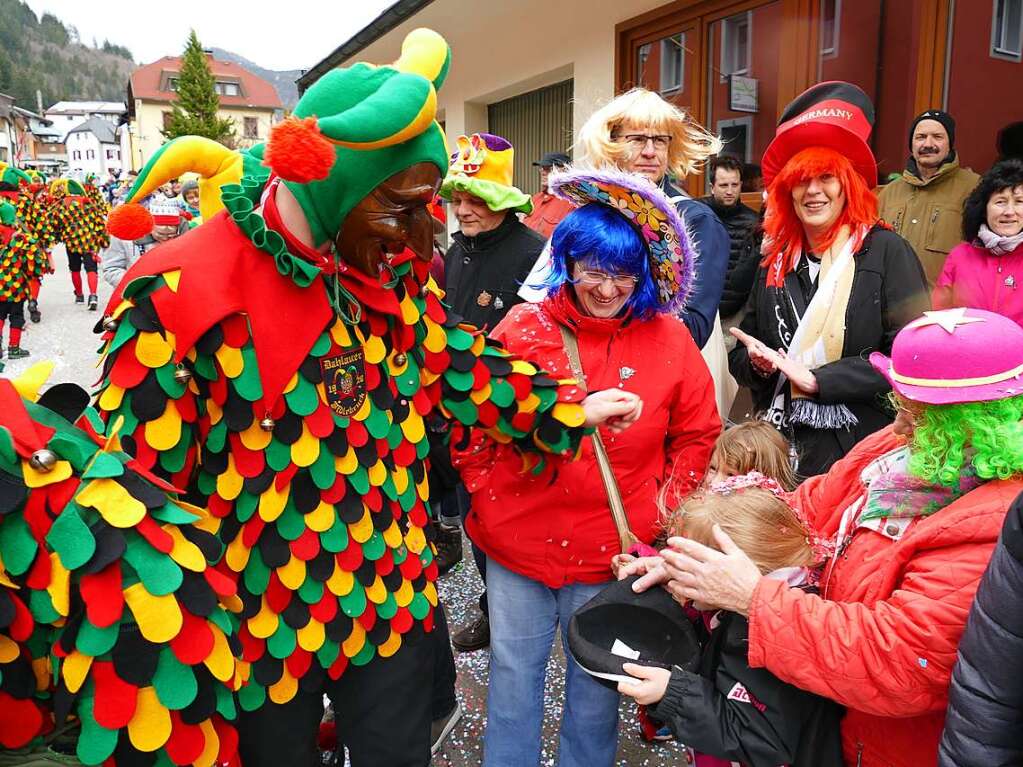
column 256, row 92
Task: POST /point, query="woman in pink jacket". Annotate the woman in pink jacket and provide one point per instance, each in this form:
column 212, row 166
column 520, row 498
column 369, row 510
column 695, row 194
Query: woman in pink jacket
column 986, row 271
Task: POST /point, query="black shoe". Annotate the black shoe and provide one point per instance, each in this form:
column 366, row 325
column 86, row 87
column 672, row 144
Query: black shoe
column 442, row 727
column 16, row 353
column 79, row 298
column 448, row 540
column 473, row 637
column 33, row 310
column 93, row 302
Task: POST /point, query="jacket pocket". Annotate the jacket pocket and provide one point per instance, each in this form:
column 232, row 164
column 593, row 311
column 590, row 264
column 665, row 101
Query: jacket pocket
column 944, row 228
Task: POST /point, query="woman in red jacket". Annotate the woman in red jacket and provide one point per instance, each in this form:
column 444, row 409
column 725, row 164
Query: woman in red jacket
column 914, row 511
column 623, row 265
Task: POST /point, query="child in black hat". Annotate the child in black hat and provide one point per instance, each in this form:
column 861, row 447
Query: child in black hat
column 722, row 709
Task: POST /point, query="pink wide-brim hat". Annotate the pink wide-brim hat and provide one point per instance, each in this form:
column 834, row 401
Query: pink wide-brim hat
column 954, row 356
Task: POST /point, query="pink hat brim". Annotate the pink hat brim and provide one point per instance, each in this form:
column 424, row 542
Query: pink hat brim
column 935, row 395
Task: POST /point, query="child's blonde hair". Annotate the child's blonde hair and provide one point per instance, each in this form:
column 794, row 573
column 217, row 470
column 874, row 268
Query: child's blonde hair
column 760, row 523
column 755, row 446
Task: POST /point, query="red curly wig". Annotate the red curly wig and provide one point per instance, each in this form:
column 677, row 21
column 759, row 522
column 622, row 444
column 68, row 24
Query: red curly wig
column 785, row 237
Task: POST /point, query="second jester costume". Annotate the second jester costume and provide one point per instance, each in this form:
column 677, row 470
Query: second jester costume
column 279, row 361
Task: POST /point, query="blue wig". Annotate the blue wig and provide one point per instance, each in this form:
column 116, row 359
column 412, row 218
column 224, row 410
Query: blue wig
column 600, row 238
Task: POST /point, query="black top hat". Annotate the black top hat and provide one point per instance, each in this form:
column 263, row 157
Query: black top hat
column 648, row 628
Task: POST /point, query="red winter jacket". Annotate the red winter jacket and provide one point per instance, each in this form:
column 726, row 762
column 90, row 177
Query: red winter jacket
column 881, row 639
column 557, row 527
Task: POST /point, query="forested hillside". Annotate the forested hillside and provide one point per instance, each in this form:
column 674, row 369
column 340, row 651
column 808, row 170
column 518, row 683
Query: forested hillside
column 45, row 54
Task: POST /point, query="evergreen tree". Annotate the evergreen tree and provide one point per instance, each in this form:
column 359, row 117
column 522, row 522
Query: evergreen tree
column 195, row 111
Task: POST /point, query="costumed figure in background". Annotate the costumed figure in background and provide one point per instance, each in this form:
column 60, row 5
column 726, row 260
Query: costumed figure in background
column 80, row 223
column 21, row 189
column 118, row 640
column 35, row 208
column 21, row 265
column 914, row 512
column 279, row 361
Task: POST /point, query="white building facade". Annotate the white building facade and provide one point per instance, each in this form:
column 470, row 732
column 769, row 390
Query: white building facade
column 93, row 147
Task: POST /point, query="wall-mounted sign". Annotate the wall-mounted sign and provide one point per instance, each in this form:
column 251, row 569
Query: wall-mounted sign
column 742, row 93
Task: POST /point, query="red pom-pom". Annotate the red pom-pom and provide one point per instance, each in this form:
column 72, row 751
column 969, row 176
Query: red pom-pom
column 297, row 151
column 129, row 222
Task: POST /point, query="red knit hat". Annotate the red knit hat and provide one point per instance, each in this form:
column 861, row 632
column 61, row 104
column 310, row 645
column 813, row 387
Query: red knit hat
column 836, row 115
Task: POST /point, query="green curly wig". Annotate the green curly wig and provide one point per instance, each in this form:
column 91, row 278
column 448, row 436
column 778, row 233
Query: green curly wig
column 986, row 437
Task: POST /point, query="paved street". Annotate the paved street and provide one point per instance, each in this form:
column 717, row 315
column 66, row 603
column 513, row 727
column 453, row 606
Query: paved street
column 65, row 335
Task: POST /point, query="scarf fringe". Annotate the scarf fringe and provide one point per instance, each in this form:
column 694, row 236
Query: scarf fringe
column 818, row 416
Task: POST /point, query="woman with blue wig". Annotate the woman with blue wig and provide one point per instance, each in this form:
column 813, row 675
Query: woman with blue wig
column 623, row 264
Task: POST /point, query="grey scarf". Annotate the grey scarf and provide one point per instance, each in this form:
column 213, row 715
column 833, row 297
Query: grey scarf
column 996, row 244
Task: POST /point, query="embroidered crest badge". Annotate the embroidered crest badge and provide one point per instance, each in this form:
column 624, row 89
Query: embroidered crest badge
column 344, row 381
column 484, row 298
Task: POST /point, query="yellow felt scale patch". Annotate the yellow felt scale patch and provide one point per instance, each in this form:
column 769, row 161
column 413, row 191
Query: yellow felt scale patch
column 152, row 350
column 529, row 404
column 377, row 592
column 436, row 340
column 377, row 474
column 341, row 335
column 8, row 649
column 403, row 596
column 284, row 689
column 340, row 583
column 74, row 669
column 59, row 587
column 159, row 618
column 351, row 646
column 306, row 449
column 292, row 575
column 321, row 518
column 220, row 661
column 362, row 530
column 391, row 646
column 271, row 503
column 231, row 360
column 229, row 481
column 392, row 535
column 211, row 748
column 172, row 279
column 310, row 636
column 375, row 350
column 113, row 502
column 409, row 312
column 61, row 470
column 185, row 553
column 569, row 414
column 164, row 432
column 263, row 624
column 150, row 727
column 237, row 554
column 415, row 540
column 348, row 463
column 255, row 438
column 413, row 427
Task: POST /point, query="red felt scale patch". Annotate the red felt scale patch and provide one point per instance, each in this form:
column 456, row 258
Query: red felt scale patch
column 194, row 642
column 115, row 698
column 357, row 434
column 405, row 454
column 298, row 662
column 252, row 530
column 368, row 619
column 228, row 742
column 101, row 592
column 236, row 331
column 283, row 478
column 402, row 620
column 249, row 463
column 337, row 668
column 22, row 625
column 324, row 610
column 307, row 545
column 22, row 721
column 128, row 372
column 223, row 585
column 277, row 595
column 252, row 647
column 336, row 491
column 350, row 558
column 320, row 423
column 186, row 741
column 39, row 576
column 158, row 538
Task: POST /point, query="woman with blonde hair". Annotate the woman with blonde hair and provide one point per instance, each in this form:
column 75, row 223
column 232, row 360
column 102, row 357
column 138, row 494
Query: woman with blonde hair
column 641, row 133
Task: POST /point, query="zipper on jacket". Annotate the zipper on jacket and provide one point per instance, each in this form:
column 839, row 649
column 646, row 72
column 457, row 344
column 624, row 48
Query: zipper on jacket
column 859, row 754
column 934, row 216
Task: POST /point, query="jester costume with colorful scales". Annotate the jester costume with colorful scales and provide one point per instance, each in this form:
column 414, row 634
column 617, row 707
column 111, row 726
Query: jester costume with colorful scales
column 286, row 387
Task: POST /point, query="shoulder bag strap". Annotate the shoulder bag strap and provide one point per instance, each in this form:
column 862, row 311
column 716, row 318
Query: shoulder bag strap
column 626, row 537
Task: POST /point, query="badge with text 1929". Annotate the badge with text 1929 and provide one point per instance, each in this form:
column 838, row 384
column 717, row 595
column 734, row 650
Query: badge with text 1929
column 344, row 380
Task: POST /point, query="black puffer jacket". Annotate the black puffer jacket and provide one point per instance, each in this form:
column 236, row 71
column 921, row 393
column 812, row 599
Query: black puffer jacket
column 888, row 290
column 740, row 221
column 984, row 724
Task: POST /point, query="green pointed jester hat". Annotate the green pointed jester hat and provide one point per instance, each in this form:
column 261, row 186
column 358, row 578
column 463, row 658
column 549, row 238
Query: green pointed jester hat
column 357, row 126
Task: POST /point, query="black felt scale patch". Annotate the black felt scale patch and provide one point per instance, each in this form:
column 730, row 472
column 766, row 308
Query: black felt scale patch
column 344, row 379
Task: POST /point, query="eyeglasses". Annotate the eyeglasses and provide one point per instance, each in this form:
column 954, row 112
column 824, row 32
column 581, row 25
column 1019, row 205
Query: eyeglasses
column 638, row 141
column 597, row 278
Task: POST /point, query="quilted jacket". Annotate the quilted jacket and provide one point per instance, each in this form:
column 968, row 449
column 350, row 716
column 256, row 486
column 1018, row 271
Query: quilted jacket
column 882, row 637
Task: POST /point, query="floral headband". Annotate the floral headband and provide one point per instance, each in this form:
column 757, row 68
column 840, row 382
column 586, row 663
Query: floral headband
column 823, row 547
column 745, row 481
